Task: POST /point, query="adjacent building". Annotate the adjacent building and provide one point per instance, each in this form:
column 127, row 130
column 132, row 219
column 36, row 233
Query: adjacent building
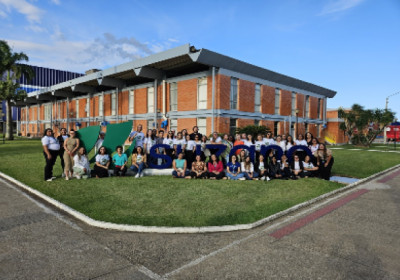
column 185, row 86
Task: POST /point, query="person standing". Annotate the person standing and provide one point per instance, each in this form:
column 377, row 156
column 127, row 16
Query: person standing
column 195, row 133
column 61, row 138
column 99, row 142
column 71, row 144
column 51, row 149
column 138, row 135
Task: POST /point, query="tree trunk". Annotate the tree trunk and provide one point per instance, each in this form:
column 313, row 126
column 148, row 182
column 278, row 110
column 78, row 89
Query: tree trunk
column 9, row 122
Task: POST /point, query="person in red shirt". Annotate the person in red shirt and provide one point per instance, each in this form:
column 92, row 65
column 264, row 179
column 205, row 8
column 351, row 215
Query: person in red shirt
column 215, row 168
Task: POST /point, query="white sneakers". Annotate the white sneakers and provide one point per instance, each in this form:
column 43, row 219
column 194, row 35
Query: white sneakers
column 137, row 175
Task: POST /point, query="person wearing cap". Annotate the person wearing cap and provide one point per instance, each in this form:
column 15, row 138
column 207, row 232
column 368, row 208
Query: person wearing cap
column 99, row 142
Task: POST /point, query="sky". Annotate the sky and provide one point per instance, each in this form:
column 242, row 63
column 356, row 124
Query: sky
column 349, row 46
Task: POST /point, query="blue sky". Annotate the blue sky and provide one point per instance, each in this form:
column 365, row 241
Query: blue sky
column 350, row 46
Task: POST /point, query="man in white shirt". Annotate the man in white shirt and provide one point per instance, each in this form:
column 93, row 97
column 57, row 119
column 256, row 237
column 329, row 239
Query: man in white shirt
column 138, row 135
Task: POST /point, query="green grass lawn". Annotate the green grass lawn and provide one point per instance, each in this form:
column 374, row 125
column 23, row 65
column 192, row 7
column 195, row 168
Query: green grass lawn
column 163, row 201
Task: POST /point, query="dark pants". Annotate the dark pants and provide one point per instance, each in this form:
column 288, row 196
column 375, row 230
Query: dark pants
column 100, row 171
column 189, row 156
column 201, row 176
column 217, row 176
column 48, row 169
column 325, row 172
column 119, row 172
column 61, row 155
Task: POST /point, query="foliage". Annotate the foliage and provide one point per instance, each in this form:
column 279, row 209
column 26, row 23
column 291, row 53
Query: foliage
column 253, row 130
column 10, row 71
column 362, row 126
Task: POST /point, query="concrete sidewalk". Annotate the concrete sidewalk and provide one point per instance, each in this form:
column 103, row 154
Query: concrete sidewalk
column 352, row 236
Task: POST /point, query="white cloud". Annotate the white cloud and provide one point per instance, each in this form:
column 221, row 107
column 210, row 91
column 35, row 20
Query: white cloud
column 339, row 6
column 57, row 2
column 32, row 13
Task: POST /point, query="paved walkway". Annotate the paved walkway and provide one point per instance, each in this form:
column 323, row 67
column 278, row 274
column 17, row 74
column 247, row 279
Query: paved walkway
column 353, row 236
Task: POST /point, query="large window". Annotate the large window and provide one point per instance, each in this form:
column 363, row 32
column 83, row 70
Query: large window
column 150, row 100
column 202, row 125
column 232, row 126
column 319, row 109
column 276, row 128
column 113, row 104
column 293, row 103
column 202, row 94
column 174, row 97
column 173, row 125
column 77, row 108
column 150, row 124
column 234, row 93
column 257, row 122
column 87, row 109
column 47, row 112
column 257, row 98
column 277, row 100
column 131, row 101
column 101, row 101
column 307, row 106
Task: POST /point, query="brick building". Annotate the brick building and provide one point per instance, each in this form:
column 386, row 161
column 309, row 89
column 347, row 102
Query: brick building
column 185, row 86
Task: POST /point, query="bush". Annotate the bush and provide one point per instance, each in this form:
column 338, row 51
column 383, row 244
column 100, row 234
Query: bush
column 253, row 130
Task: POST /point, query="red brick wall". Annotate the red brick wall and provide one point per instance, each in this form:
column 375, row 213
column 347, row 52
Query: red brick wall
column 186, row 124
column 141, row 101
column 313, row 111
column 267, row 100
column 82, row 107
column 123, row 103
column 300, row 105
column 187, row 95
column 223, row 91
column 286, row 103
column 246, row 96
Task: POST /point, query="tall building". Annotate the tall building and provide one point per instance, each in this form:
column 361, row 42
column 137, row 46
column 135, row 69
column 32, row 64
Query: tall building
column 185, row 86
column 44, row 77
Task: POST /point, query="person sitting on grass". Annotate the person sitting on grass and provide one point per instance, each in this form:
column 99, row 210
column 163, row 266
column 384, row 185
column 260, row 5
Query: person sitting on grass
column 248, row 169
column 199, row 169
column 81, row 164
column 102, row 163
column 297, row 167
column 233, row 169
column 215, row 168
column 309, row 169
column 139, row 161
column 179, row 165
column 274, row 168
column 120, row 161
column 261, row 168
column 324, row 161
column 285, row 167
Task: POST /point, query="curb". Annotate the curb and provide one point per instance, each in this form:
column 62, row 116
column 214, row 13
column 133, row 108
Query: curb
column 156, row 229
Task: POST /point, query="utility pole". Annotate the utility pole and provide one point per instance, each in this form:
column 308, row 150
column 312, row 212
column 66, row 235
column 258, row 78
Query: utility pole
column 386, row 107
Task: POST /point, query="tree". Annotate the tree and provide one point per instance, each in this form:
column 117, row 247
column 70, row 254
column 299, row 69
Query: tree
column 10, row 71
column 253, row 130
column 363, row 126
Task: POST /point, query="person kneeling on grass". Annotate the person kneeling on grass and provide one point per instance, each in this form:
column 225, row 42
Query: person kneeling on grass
column 297, row 167
column 102, row 163
column 139, row 161
column 215, row 168
column 81, row 164
column 233, row 169
column 179, row 165
column 119, row 160
column 248, row 169
column 274, row 167
column 261, row 168
column 199, row 169
column 285, row 168
column 309, row 169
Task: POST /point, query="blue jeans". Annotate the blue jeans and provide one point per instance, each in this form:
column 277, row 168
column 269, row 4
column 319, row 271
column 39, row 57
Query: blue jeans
column 234, row 177
column 138, row 170
column 246, row 175
column 175, row 174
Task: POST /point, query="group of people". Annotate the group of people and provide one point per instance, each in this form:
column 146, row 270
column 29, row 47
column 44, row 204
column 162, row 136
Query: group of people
column 187, row 161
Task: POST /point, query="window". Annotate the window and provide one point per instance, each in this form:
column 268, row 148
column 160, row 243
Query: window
column 257, row 98
column 319, row 109
column 305, row 127
column 202, row 93
column 113, row 104
column 150, row 100
column 77, row 108
column 277, row 100
column 131, row 102
column 276, row 128
column 234, row 93
column 47, row 112
column 232, row 126
column 174, row 97
column 318, row 130
column 293, row 103
column 307, row 106
column 101, row 105
column 150, row 124
column 292, row 129
column 173, row 123
column 202, row 125
column 257, row 122
column 87, row 109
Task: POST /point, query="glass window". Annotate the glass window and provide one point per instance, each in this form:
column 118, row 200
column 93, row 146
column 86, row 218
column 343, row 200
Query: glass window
column 150, row 100
column 113, row 104
column 202, row 125
column 131, row 101
column 173, row 123
column 276, row 128
column 150, row 124
column 319, row 109
column 202, row 94
column 101, row 105
column 277, row 100
column 87, row 109
column 293, row 103
column 77, row 108
column 307, row 106
column 257, row 98
column 232, row 126
column 47, row 112
column 257, row 122
column 234, row 93
column 174, row 97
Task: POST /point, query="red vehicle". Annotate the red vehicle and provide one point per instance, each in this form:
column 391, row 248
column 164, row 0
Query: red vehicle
column 393, row 132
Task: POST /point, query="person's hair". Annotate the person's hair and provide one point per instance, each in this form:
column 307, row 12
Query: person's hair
column 63, row 128
column 105, row 150
column 187, row 135
column 198, row 156
column 195, row 127
column 296, row 155
column 305, row 158
column 300, row 135
column 204, row 137
column 181, row 153
column 170, row 135
column 233, row 156
column 316, row 140
column 247, row 164
column 184, row 131
column 179, row 133
column 272, row 159
column 216, row 158
column 71, row 130
column 160, row 131
column 79, row 154
column 230, row 138
column 270, row 135
column 47, row 129
column 118, row 147
column 152, row 134
column 309, row 133
column 291, row 141
column 135, row 151
column 259, row 135
column 324, row 149
column 278, row 136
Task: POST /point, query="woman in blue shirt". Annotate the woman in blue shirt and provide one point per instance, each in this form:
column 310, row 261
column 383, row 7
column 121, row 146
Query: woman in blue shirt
column 119, row 160
column 179, row 165
column 233, row 169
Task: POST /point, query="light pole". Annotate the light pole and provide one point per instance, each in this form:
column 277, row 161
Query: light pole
column 297, row 122
column 386, row 107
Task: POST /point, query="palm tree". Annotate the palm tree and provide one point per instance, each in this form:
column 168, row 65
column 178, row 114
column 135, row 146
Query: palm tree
column 10, row 71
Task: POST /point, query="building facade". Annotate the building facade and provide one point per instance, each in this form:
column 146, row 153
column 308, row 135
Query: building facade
column 185, row 86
